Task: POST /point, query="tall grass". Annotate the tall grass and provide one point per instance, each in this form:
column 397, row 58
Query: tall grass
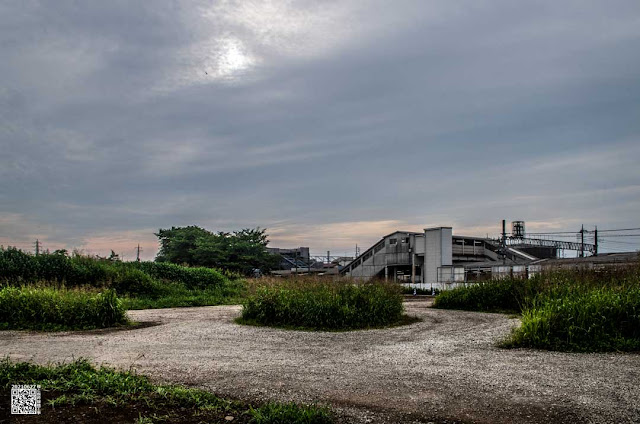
column 508, row 295
column 192, row 278
column 517, row 294
column 174, row 295
column 145, row 284
column 17, row 267
column 322, row 305
column 572, row 310
column 592, row 320
column 59, row 309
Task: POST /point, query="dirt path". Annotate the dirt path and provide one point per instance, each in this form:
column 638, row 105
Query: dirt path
column 444, row 369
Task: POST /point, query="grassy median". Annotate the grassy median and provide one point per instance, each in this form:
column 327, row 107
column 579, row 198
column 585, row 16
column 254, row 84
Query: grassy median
column 79, row 390
column 575, row 310
column 42, row 308
column 316, row 304
column 140, row 285
column 594, row 320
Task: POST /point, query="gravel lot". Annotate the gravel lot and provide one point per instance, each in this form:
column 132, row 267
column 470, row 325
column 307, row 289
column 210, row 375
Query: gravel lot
column 444, row 369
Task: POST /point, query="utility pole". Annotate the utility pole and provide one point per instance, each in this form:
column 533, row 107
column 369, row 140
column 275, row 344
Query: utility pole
column 595, row 241
column 138, row 250
column 37, row 247
column 582, row 242
column 504, row 241
column 328, row 257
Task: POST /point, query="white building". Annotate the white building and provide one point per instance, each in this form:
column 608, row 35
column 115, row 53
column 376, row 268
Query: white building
column 432, row 258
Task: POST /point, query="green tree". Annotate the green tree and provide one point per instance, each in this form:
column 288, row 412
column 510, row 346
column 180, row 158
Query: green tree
column 178, row 244
column 248, row 251
column 241, row 251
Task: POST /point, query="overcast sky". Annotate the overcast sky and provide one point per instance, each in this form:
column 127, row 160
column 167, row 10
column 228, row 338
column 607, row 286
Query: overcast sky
column 329, row 123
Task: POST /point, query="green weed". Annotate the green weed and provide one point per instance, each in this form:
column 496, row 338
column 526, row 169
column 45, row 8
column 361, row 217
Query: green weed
column 275, row 413
column 592, row 320
column 81, row 383
column 59, row 309
column 17, row 267
column 506, row 295
column 177, row 295
column 572, row 310
column 191, row 278
column 142, row 284
column 323, row 305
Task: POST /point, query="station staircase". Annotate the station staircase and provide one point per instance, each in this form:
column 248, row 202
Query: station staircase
column 368, row 264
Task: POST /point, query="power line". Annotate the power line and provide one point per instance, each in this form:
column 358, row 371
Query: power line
column 553, row 233
column 586, row 231
column 619, row 242
column 619, row 229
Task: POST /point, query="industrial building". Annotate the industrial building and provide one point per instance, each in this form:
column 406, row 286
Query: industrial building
column 298, row 260
column 439, row 259
column 297, row 257
column 434, row 257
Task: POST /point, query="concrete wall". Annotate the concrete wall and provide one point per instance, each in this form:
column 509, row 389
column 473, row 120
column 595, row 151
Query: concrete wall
column 438, row 253
column 417, row 244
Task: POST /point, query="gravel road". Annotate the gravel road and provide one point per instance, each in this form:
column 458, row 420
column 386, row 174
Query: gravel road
column 443, row 369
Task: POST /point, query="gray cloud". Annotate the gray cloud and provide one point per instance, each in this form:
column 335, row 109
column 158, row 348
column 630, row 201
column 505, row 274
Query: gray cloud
column 119, row 118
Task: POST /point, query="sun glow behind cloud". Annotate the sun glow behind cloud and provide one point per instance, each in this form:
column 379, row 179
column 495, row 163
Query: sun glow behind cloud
column 233, row 58
column 216, row 59
column 229, row 39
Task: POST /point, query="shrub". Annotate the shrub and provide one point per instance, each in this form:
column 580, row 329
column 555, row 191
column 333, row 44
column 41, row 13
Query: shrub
column 137, row 278
column 572, row 310
column 55, row 267
column 507, row 295
column 174, row 295
column 55, row 309
column 16, row 266
column 191, row 277
column 324, row 305
column 91, row 271
column 133, row 281
column 516, row 294
column 602, row 319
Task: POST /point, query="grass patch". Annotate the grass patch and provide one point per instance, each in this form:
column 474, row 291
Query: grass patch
column 315, row 304
column 105, row 394
column 594, row 320
column 133, row 278
column 142, row 285
column 50, row 309
column 508, row 295
column 577, row 310
column 177, row 295
column 191, row 278
column 275, row 413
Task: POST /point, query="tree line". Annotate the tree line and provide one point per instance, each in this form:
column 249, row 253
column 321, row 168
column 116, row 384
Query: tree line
column 239, row 251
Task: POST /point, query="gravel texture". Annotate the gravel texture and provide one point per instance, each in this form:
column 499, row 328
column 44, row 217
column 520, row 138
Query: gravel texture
column 446, row 368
